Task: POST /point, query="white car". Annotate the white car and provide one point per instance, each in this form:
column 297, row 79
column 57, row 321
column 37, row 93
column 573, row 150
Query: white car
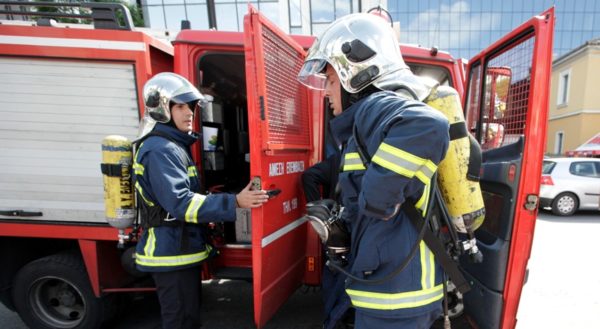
column 570, row 184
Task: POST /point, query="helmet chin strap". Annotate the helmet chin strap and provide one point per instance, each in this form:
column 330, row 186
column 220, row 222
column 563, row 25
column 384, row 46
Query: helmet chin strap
column 171, row 122
column 348, row 98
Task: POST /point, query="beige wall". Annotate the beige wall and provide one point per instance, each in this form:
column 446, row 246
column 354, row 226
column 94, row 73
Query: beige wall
column 592, row 86
column 576, row 130
column 579, row 119
column 578, row 73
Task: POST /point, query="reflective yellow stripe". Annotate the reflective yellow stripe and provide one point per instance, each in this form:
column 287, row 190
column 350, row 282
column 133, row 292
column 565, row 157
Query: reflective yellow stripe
column 191, row 214
column 404, row 163
column 150, row 243
column 141, row 193
column 138, row 169
column 352, row 161
column 424, row 200
column 392, row 166
column 192, row 171
column 427, row 259
column 423, row 177
column 427, row 267
column 422, row 248
column 431, row 260
column 354, row 167
column 383, row 301
column 172, row 260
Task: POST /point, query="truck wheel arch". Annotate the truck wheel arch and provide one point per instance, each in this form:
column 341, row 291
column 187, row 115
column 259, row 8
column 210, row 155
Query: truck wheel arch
column 56, row 290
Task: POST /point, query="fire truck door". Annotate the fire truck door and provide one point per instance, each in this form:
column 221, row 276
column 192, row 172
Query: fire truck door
column 507, row 108
column 280, row 141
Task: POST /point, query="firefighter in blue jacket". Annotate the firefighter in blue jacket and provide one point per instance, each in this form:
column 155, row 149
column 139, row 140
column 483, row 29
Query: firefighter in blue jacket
column 393, row 144
column 168, row 188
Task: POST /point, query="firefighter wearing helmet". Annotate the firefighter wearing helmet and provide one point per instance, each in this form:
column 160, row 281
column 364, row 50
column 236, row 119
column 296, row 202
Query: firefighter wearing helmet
column 171, row 206
column 392, row 145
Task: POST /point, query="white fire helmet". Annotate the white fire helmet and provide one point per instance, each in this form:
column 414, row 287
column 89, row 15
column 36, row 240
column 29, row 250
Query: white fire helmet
column 162, row 90
column 362, row 48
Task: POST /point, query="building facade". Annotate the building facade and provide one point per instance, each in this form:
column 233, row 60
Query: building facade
column 574, row 115
column 307, row 17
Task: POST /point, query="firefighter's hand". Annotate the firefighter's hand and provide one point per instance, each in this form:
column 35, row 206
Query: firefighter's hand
column 251, row 199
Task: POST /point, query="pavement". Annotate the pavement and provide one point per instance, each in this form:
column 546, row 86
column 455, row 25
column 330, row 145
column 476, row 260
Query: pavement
column 563, row 289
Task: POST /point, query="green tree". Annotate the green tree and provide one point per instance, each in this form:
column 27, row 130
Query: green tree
column 59, row 10
column 136, row 15
column 134, row 9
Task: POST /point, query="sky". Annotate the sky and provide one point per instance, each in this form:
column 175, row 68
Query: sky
column 464, row 27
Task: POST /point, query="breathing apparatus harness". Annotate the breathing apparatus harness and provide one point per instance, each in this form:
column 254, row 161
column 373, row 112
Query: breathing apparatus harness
column 325, row 217
column 155, row 215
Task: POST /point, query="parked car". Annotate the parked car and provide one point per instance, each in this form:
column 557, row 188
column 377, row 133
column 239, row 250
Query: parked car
column 570, row 184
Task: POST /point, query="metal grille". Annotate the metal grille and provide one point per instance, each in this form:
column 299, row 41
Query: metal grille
column 287, row 103
column 506, row 91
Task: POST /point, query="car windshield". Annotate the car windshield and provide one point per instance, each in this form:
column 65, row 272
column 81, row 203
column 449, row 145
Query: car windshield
column 547, row 167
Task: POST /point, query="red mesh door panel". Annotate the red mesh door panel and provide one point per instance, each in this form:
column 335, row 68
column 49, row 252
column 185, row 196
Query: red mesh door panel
column 286, row 99
column 506, row 95
column 282, row 100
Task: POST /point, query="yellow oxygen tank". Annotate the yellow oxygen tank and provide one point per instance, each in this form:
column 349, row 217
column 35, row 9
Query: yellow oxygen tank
column 116, row 164
column 462, row 195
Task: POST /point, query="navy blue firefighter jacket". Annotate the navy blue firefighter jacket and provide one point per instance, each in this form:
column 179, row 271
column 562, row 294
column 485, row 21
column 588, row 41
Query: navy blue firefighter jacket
column 405, row 140
column 165, row 175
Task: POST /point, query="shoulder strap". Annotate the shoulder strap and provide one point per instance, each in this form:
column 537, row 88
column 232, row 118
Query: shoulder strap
column 153, row 216
column 437, row 248
column 165, row 136
column 474, row 160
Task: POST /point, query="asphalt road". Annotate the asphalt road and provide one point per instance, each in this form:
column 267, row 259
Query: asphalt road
column 226, row 305
column 562, row 291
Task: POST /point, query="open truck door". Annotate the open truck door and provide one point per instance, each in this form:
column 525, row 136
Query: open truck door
column 280, row 130
column 507, row 108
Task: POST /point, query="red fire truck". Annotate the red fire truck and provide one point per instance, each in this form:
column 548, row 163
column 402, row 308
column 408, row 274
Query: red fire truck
column 64, row 89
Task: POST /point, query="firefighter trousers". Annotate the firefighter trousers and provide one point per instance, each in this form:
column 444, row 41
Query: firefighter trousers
column 180, row 295
column 364, row 320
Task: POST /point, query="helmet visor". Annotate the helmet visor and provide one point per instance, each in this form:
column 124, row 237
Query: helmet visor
column 198, row 106
column 191, row 96
column 312, row 74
